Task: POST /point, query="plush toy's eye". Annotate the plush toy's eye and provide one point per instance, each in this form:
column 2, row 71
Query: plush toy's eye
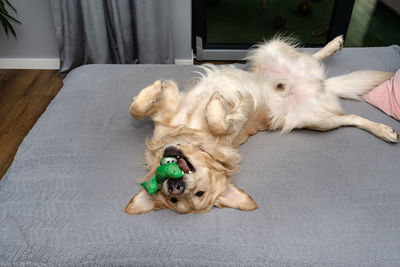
column 173, row 200
column 199, row 194
column 168, row 160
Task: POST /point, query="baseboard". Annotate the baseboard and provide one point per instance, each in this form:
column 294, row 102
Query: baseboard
column 30, row 63
column 51, row 63
column 184, row 61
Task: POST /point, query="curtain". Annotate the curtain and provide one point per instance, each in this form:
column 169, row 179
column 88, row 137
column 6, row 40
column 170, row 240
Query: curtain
column 112, row 31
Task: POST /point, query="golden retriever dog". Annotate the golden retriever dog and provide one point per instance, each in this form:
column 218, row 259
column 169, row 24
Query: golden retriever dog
column 202, row 127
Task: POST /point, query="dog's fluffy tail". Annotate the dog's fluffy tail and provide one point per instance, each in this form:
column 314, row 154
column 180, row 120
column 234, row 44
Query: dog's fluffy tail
column 355, row 84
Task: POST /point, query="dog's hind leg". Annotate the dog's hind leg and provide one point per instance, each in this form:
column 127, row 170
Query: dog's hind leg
column 380, row 130
column 329, row 49
column 160, row 97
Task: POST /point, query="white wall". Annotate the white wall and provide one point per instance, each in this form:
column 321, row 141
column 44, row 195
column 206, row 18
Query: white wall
column 36, row 45
column 36, row 42
column 182, row 30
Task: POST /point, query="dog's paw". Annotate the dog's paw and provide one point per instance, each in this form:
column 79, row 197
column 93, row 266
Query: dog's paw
column 388, row 134
column 216, row 112
column 146, row 99
column 336, row 44
column 339, row 42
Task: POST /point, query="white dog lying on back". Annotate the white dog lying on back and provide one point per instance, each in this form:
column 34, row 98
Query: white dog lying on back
column 304, row 98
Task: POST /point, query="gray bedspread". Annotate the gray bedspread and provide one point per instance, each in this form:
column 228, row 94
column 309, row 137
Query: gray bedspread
column 324, row 198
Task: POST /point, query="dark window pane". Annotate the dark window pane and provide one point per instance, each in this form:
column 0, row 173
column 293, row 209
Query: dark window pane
column 374, row 23
column 251, row 21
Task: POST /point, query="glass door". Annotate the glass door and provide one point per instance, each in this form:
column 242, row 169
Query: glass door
column 224, row 29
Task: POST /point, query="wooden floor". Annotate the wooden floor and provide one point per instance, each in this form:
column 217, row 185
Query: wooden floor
column 24, row 96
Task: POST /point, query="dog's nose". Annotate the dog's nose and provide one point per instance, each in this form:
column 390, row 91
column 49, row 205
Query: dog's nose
column 175, row 186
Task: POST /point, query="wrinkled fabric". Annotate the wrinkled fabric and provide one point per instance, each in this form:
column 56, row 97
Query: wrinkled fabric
column 325, row 199
column 112, row 32
column 386, row 96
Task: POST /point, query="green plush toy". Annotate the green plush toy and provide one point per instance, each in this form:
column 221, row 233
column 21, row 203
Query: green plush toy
column 167, row 169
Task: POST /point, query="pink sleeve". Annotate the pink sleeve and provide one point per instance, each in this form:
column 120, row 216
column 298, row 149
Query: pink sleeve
column 386, row 96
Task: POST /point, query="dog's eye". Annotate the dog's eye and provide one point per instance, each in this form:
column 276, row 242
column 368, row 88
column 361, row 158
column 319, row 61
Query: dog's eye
column 199, row 194
column 173, row 200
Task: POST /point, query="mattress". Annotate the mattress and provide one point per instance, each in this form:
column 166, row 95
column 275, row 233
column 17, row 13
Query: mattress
column 325, row 199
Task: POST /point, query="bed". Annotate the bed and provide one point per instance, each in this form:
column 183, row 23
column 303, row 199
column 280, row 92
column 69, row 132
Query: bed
column 328, row 198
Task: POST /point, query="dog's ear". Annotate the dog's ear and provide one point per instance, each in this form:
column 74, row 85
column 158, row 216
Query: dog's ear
column 142, row 202
column 234, row 197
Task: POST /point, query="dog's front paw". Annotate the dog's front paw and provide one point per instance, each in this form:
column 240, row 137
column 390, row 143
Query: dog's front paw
column 146, row 99
column 216, row 112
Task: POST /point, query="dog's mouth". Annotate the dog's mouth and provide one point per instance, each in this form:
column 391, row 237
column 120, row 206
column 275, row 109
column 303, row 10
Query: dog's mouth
column 182, row 161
